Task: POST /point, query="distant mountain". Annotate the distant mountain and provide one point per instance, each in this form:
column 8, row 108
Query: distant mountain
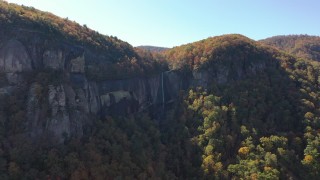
column 303, row 46
column 153, row 48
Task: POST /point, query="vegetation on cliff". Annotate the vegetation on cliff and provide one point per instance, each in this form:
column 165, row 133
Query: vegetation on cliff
column 119, row 57
column 257, row 118
column 23, row 18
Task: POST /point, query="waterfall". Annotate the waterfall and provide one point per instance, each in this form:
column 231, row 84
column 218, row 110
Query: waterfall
column 162, row 90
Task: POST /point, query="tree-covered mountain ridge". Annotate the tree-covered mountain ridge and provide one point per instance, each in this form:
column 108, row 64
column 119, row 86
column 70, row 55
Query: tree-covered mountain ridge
column 119, row 56
column 75, row 104
column 302, row 46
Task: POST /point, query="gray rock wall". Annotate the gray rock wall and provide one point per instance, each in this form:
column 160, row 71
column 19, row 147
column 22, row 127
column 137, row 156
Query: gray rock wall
column 67, row 106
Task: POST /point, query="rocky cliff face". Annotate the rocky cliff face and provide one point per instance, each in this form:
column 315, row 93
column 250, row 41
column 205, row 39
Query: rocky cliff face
column 66, row 106
column 66, row 103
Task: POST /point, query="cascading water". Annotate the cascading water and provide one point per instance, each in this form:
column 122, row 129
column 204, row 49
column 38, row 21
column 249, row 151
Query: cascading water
column 162, row 90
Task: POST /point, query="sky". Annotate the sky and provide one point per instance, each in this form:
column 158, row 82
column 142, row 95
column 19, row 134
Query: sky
column 169, row 23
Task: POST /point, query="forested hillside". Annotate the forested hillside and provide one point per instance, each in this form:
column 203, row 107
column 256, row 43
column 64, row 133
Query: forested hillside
column 258, row 117
column 75, row 104
column 303, row 46
column 118, row 56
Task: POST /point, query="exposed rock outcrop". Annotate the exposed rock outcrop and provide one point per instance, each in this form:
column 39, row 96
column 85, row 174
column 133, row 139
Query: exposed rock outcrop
column 54, row 59
column 14, row 57
column 64, row 107
column 78, row 64
column 59, row 122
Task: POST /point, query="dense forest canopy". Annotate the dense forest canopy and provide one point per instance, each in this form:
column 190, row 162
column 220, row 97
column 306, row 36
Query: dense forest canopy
column 303, row 46
column 251, row 125
column 256, row 117
column 200, row 54
column 20, row 17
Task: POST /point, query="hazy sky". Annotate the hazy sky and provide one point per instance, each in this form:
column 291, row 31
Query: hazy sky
column 174, row 22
